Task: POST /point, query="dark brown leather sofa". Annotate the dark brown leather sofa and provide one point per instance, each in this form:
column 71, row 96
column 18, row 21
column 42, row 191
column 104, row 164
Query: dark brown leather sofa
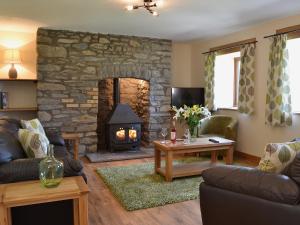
column 15, row 167
column 233, row 195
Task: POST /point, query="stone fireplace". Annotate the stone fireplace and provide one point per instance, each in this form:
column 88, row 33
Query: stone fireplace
column 74, row 67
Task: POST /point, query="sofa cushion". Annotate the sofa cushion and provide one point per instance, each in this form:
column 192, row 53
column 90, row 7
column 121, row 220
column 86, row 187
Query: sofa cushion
column 33, row 125
column 10, row 148
column 55, row 139
column 278, row 155
column 34, row 144
column 253, row 182
column 10, row 125
column 60, row 151
column 293, row 169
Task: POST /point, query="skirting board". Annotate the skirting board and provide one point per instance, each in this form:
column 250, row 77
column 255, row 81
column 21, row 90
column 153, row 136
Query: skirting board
column 251, row 158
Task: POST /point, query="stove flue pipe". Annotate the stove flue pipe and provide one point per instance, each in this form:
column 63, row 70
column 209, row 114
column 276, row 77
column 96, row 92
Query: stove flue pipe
column 116, row 94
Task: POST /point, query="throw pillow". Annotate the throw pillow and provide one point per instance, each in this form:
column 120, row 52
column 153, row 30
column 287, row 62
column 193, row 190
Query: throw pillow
column 293, row 170
column 34, row 144
column 10, row 148
column 33, row 125
column 278, row 155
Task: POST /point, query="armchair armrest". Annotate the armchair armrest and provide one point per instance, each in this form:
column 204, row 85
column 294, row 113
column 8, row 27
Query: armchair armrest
column 230, row 132
column 28, row 169
column 250, row 181
column 19, row 170
column 232, row 125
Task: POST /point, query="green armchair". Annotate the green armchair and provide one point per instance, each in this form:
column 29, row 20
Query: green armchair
column 220, row 126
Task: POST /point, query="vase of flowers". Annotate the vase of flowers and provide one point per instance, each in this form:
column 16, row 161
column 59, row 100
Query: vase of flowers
column 192, row 116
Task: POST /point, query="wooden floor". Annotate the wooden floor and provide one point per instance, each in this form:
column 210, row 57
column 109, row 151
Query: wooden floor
column 104, row 209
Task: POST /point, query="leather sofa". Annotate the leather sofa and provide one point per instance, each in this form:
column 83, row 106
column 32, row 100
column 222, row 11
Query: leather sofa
column 15, row 167
column 233, row 195
column 219, row 125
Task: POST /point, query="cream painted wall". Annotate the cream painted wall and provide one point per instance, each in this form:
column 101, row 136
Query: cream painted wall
column 253, row 134
column 181, row 65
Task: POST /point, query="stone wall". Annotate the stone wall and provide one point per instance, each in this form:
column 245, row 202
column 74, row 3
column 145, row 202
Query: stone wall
column 105, row 107
column 134, row 92
column 70, row 65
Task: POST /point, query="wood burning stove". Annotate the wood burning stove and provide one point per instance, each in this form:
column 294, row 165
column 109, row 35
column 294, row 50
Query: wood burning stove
column 123, row 128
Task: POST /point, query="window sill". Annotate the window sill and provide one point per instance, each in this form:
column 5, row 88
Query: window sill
column 296, row 113
column 232, row 109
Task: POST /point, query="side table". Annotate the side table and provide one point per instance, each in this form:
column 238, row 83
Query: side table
column 31, row 192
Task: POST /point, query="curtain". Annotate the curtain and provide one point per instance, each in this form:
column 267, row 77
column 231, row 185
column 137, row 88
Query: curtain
column 246, row 81
column 278, row 99
column 209, row 76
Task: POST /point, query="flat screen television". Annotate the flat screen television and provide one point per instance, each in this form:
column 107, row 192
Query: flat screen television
column 187, row 96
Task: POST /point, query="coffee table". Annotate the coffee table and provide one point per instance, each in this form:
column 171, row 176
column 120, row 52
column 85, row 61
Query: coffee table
column 171, row 171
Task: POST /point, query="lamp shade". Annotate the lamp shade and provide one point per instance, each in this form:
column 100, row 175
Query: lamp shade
column 12, row 56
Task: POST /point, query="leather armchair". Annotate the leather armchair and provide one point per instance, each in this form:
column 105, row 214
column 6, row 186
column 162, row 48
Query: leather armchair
column 219, row 125
column 232, row 195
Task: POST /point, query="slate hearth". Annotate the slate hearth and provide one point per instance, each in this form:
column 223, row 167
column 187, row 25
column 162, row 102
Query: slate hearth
column 120, row 155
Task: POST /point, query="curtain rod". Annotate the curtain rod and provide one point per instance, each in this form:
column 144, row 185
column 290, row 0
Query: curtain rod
column 274, row 35
column 234, row 46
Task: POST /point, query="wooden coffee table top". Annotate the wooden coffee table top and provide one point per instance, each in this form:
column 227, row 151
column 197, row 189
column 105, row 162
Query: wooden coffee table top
column 199, row 143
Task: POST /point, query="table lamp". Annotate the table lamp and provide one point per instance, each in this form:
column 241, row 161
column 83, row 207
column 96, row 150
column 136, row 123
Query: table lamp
column 12, row 56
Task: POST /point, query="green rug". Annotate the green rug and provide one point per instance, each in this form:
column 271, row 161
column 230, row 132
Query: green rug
column 137, row 187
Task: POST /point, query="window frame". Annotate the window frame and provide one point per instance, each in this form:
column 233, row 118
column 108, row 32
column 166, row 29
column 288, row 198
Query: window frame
column 235, row 77
column 294, row 33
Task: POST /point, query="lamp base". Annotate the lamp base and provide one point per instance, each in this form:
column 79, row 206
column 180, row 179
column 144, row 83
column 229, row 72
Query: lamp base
column 12, row 73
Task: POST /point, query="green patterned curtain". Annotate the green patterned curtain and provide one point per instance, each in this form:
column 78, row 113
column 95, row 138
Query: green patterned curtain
column 209, row 75
column 278, row 100
column 246, row 81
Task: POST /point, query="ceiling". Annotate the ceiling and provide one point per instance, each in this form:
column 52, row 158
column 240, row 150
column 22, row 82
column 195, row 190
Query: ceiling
column 179, row 20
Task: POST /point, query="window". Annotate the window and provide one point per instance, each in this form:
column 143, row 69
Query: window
column 293, row 46
column 227, row 71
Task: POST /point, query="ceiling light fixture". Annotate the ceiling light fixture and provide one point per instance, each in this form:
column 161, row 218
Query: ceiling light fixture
column 149, row 5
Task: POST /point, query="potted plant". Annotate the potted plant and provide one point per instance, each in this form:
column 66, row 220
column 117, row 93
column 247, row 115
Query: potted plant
column 192, row 116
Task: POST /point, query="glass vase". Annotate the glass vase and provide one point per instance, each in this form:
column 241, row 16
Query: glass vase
column 51, row 170
column 193, row 133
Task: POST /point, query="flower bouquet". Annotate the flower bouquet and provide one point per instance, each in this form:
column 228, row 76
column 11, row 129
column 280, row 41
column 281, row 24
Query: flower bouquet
column 192, row 116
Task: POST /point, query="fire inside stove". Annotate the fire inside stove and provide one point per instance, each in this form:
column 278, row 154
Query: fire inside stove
column 132, row 134
column 120, row 135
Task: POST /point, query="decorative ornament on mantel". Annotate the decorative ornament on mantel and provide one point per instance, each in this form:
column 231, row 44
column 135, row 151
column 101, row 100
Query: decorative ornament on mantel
column 149, row 5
